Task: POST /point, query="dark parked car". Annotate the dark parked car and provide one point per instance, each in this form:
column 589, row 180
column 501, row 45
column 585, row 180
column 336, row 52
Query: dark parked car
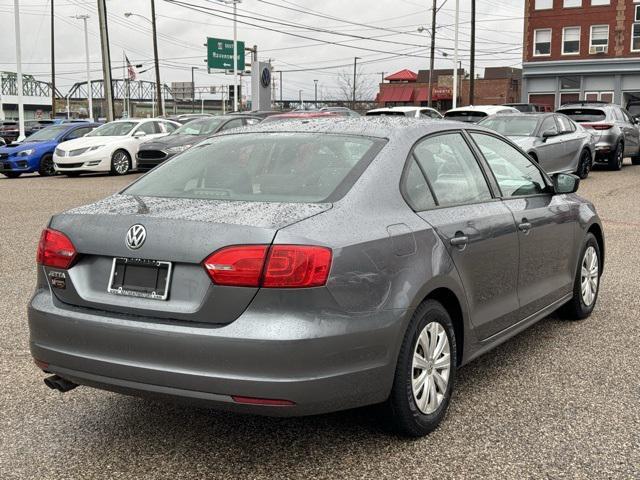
column 551, row 139
column 154, row 152
column 529, row 107
column 188, row 117
column 10, row 130
column 300, row 115
column 294, row 269
column 258, row 113
column 616, row 132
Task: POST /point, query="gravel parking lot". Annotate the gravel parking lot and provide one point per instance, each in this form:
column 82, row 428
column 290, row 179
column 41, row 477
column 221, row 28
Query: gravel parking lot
column 561, row 400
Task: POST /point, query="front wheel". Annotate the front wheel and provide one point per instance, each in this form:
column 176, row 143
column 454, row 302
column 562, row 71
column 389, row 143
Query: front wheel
column 120, row 163
column 586, row 284
column 616, row 158
column 46, row 166
column 425, row 372
column 584, row 165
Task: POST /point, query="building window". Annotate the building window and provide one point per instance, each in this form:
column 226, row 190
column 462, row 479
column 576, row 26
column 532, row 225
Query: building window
column 571, row 41
column 570, row 83
column 599, row 97
column 599, row 42
column 544, row 4
column 542, row 43
column 636, row 17
column 635, row 37
column 572, row 3
column 595, row 3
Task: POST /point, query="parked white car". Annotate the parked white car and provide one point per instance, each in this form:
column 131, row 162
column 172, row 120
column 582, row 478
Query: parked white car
column 111, row 147
column 413, row 112
column 475, row 113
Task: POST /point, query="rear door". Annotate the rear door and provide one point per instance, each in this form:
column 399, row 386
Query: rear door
column 477, row 229
column 545, row 224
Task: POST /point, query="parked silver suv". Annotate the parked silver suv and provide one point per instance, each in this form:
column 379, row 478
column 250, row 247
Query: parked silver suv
column 615, row 131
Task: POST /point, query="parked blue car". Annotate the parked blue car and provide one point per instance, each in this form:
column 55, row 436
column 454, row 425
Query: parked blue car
column 35, row 154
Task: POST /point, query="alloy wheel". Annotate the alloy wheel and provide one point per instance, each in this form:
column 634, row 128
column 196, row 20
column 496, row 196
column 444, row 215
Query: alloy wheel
column 120, row 163
column 589, row 276
column 430, row 367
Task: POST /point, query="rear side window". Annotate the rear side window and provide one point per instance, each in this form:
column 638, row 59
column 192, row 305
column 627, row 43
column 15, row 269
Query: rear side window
column 516, row 174
column 452, row 170
column 417, row 190
column 263, row 167
column 582, row 115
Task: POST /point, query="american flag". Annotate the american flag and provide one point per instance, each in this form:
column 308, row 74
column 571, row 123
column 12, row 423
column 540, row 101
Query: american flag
column 131, row 72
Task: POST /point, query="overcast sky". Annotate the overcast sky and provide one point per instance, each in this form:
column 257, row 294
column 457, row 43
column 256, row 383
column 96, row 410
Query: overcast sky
column 182, row 33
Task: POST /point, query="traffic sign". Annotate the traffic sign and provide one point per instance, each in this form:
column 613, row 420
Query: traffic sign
column 220, row 54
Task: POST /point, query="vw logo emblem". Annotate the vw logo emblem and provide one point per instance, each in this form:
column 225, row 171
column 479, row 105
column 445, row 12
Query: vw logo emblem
column 265, row 77
column 136, row 236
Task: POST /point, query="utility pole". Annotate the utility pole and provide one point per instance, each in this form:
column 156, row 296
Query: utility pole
column 381, row 77
column 53, row 63
column 193, row 91
column 155, row 58
column 455, row 57
column 84, row 18
column 315, row 82
column 106, row 60
column 433, row 52
column 280, row 73
column 472, row 55
column 16, row 7
column 355, row 61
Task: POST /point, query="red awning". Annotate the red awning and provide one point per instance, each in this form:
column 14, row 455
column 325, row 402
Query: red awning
column 402, row 76
column 396, row 94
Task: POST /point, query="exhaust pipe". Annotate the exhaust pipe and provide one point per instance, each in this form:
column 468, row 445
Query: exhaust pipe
column 54, row 382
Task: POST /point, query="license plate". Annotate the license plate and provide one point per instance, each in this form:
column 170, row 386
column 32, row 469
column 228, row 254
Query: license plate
column 136, row 277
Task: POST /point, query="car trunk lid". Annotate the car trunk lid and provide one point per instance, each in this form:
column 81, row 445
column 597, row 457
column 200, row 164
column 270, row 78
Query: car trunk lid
column 180, row 231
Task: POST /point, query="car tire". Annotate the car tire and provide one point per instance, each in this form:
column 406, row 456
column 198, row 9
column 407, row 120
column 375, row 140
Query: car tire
column 120, row 162
column 416, row 408
column 616, row 157
column 12, row 174
column 46, row 168
column 584, row 165
column 588, row 275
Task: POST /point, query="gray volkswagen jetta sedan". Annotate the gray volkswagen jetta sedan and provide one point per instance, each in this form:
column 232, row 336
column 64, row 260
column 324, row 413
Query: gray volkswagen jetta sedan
column 299, row 268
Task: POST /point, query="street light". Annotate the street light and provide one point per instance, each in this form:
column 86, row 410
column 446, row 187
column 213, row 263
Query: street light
column 235, row 49
column 155, row 52
column 84, row 18
column 193, row 90
column 355, row 61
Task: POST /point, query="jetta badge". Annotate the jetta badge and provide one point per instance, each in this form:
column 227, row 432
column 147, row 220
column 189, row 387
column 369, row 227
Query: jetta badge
column 136, row 236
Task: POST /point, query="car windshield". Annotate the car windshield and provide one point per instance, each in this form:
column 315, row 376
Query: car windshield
column 113, row 129
column 49, row 133
column 582, row 115
column 262, row 167
column 512, row 126
column 466, row 116
column 634, row 109
column 199, row 127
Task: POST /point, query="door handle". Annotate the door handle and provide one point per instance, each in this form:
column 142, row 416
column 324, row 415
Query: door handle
column 524, row 226
column 459, row 241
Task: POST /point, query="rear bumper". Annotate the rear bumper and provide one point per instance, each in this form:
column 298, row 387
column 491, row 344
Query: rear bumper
column 322, row 365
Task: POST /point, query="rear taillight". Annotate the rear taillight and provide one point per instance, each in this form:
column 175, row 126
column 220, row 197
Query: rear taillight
column 598, row 126
column 278, row 266
column 55, row 250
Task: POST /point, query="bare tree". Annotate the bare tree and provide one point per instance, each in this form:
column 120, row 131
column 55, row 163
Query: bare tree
column 365, row 88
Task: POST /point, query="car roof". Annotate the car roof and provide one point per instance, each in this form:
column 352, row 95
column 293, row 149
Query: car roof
column 403, row 108
column 490, row 109
column 585, row 104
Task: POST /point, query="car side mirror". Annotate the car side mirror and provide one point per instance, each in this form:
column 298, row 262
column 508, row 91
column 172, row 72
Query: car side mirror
column 139, row 134
column 565, row 183
column 548, row 134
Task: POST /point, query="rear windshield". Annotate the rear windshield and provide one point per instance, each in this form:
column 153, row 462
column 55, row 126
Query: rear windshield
column 388, row 112
column 582, row 115
column 514, row 126
column 466, row 116
column 263, row 167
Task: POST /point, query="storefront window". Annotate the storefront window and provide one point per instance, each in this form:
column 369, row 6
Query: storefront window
column 570, row 83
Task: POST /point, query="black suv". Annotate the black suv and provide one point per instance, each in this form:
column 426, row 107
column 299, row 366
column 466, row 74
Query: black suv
column 615, row 131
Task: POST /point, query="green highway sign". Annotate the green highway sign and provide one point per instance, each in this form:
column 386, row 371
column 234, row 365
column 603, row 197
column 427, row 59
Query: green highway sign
column 220, row 54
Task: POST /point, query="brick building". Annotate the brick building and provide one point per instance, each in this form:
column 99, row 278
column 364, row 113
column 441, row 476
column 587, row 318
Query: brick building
column 581, row 50
column 499, row 85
